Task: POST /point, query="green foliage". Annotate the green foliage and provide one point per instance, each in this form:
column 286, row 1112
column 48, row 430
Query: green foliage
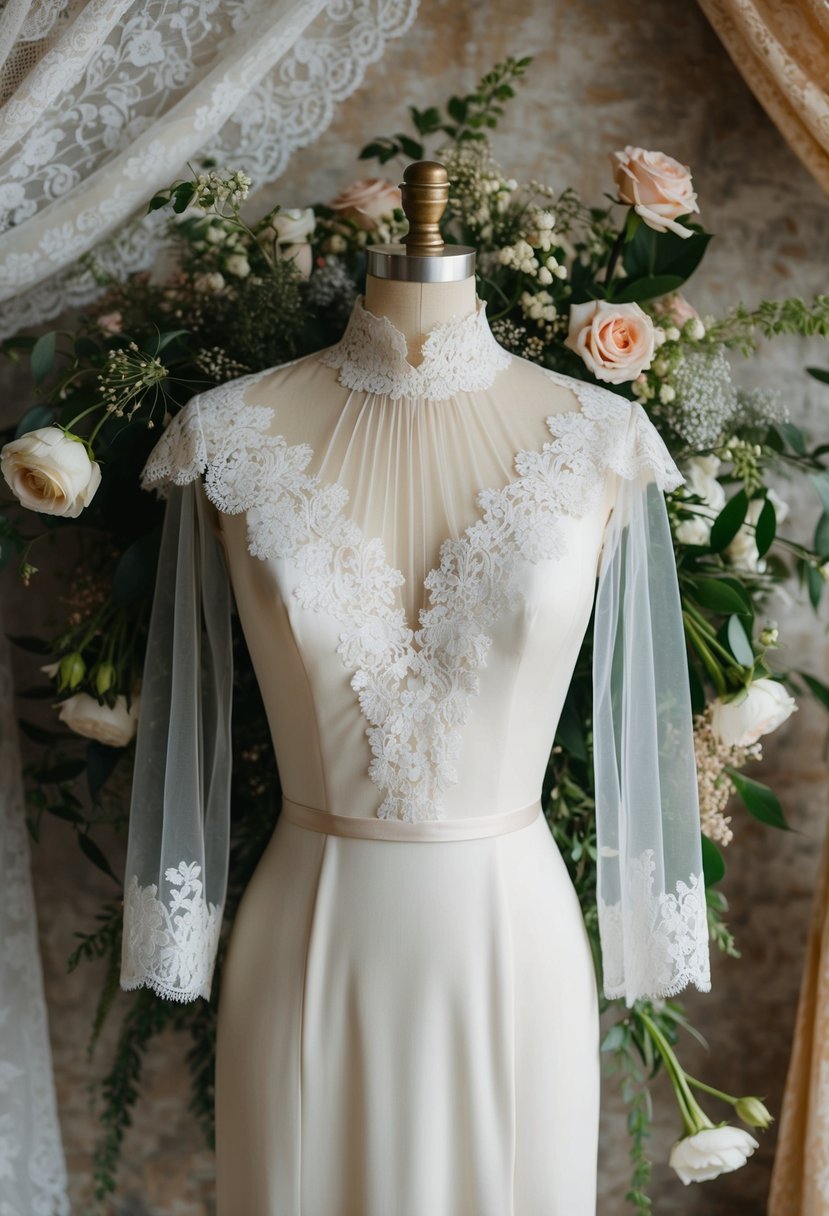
column 467, row 118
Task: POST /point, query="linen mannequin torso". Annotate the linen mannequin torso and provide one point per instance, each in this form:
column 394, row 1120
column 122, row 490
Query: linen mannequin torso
column 413, row 470
column 408, row 1015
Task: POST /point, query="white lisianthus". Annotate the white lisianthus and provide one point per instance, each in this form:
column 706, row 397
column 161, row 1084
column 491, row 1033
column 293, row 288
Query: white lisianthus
column 50, row 471
column 711, row 1152
column 763, row 706
column 694, row 531
column 701, row 480
column 293, row 225
column 113, row 726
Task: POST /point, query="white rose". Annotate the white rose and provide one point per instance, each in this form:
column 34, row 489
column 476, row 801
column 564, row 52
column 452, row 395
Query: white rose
column 694, row 531
column 209, row 283
column 760, row 710
column 616, row 341
column 711, row 1152
column 701, row 479
column 51, row 472
column 293, row 225
column 658, row 188
column 113, row 726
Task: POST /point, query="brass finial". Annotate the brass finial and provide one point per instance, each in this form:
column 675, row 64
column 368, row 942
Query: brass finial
column 425, row 190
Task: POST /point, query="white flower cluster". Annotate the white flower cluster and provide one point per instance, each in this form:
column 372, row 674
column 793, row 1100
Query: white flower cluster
column 538, row 306
column 215, row 187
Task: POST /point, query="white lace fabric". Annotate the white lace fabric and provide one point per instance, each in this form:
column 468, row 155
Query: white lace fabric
column 119, row 94
column 418, row 683
column 32, row 1169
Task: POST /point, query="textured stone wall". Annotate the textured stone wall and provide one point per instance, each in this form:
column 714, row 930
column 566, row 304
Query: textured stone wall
column 651, row 73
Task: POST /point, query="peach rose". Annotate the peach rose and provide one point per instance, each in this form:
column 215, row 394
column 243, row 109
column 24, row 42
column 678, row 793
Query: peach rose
column 367, row 202
column 616, row 341
column 675, row 307
column 658, row 188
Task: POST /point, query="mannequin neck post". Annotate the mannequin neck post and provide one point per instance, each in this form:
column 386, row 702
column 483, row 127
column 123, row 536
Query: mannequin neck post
column 415, row 308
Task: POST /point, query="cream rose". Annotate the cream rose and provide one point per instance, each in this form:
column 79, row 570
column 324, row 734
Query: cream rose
column 711, row 1152
column 114, row 726
column 367, row 202
column 290, row 230
column 760, row 710
column 616, row 341
column 658, row 188
column 51, row 472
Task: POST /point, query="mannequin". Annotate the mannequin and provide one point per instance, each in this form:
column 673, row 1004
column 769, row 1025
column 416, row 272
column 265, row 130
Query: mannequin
column 412, row 523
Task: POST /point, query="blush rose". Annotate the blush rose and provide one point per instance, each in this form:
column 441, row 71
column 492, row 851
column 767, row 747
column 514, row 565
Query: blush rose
column 616, row 341
column 367, row 202
column 658, row 188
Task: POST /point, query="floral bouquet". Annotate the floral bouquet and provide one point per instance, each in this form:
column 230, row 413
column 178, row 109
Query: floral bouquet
column 594, row 292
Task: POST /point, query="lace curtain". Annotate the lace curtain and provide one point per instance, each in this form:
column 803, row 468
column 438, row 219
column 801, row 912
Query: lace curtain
column 781, row 47
column 32, row 1170
column 103, row 101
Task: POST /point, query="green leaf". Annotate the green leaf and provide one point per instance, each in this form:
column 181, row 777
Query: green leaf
column 31, row 644
column 411, row 147
column 721, row 595
column 86, row 348
column 164, row 340
column 815, row 584
column 134, row 576
column 821, row 483
column 95, row 855
column 158, row 201
column 738, row 642
column 766, row 527
column 66, row 812
column 37, row 416
column 616, row 1037
column 457, row 109
column 713, row 863
column 100, row 763
column 729, row 521
column 793, row 436
column 696, row 687
column 647, row 288
column 821, row 541
column 819, row 374
column 658, row 253
column 570, row 732
column 43, row 356
column 183, row 196
column 632, row 223
column 817, row 688
column 67, row 770
column 37, row 734
column 759, row 800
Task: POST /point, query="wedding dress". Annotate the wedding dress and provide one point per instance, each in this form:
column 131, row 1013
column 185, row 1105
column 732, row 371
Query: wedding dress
column 408, row 1019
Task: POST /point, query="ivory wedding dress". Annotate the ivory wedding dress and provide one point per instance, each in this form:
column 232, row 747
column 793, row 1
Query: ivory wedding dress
column 408, row 1018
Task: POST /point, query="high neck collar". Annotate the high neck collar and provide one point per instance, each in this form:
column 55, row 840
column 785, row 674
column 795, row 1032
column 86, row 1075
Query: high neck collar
column 459, row 356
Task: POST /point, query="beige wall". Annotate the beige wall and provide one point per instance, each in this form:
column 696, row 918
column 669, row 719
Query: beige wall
column 650, row 72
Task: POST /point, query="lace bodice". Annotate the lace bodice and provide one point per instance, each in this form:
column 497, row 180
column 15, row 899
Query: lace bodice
column 414, row 553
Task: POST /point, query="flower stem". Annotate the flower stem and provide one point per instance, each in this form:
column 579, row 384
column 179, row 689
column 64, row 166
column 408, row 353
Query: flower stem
column 709, row 1089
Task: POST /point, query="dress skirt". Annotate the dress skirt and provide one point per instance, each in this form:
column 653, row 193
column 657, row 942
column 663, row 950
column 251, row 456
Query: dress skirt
column 408, row 1028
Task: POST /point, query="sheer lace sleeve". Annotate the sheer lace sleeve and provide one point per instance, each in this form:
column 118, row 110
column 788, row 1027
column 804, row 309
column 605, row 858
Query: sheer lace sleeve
column 177, row 857
column 651, row 895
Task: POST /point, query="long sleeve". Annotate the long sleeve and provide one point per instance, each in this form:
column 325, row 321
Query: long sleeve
column 177, row 857
column 651, row 894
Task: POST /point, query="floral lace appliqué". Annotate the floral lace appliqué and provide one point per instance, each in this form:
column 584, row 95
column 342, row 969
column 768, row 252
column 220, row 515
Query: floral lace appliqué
column 170, row 946
column 414, row 687
column 657, row 943
column 458, row 356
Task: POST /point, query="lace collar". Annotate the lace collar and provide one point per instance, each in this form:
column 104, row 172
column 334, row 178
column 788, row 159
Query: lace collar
column 459, row 356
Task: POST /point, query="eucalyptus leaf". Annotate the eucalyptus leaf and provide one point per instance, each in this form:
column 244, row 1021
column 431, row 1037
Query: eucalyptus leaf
column 34, row 418
column 816, row 687
column 713, row 863
column 819, row 374
column 37, row 734
column 815, row 584
column 30, row 644
column 793, row 436
column 821, row 540
column 759, row 800
column 729, row 521
column 100, row 764
column 43, row 355
column 134, row 576
column 821, row 483
column 738, row 642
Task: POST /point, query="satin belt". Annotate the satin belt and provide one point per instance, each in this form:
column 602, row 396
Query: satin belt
column 395, row 829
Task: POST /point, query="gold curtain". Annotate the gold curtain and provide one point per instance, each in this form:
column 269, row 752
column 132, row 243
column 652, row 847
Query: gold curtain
column 781, row 47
